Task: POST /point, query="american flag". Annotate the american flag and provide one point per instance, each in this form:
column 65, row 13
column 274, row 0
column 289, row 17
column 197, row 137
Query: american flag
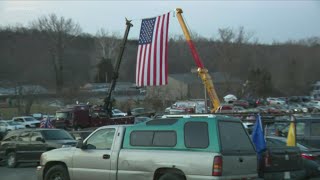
column 46, row 123
column 152, row 66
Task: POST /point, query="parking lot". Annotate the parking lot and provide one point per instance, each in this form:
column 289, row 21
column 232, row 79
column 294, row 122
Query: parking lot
column 22, row 172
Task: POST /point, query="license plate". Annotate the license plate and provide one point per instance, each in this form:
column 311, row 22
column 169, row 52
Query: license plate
column 286, row 157
column 287, row 175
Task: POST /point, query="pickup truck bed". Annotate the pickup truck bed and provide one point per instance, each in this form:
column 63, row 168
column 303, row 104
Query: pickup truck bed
column 281, row 163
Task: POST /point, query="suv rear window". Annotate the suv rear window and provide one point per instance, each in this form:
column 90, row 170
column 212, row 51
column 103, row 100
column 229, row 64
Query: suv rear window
column 153, row 138
column 233, row 137
column 56, row 135
column 196, row 135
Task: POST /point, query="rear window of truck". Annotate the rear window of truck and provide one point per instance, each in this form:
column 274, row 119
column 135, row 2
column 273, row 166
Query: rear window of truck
column 233, row 138
column 153, row 138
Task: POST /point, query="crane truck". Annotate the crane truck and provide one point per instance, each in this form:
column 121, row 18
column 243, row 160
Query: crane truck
column 85, row 116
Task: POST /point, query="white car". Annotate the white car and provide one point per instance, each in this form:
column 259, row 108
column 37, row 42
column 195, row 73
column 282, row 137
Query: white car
column 118, row 113
column 9, row 125
column 27, row 121
column 274, row 101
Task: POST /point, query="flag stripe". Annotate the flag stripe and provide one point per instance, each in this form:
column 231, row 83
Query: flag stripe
column 161, row 49
column 149, row 56
column 166, row 47
column 146, row 63
column 156, row 46
column 138, row 65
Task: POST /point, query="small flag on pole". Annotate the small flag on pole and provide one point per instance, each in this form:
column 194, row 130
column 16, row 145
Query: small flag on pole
column 152, row 56
column 258, row 136
column 291, row 139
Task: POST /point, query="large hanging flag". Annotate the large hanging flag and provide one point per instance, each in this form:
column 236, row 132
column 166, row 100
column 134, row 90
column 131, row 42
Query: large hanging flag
column 152, row 57
column 291, row 139
column 258, row 136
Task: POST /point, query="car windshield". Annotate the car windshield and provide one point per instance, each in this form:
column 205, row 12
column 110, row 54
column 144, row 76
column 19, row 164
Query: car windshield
column 30, row 119
column 56, row 135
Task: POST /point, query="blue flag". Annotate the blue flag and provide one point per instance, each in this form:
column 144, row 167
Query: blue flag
column 258, row 136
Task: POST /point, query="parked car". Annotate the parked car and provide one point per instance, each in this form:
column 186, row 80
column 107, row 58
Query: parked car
column 27, row 121
column 141, row 119
column 27, row 145
column 172, row 148
column 242, row 103
column 10, row 125
column 310, row 156
column 274, row 101
column 118, row 113
column 225, row 108
column 281, row 162
column 184, row 107
column 142, row 112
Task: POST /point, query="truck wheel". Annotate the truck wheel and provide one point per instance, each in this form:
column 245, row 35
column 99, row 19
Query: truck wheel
column 171, row 176
column 12, row 160
column 57, row 172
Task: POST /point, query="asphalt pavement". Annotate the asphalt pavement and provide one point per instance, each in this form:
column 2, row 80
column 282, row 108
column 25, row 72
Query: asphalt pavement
column 22, row 172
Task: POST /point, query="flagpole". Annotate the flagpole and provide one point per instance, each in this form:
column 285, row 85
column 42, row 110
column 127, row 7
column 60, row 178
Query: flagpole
column 295, row 129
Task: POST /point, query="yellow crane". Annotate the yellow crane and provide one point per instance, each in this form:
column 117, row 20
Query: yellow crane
column 202, row 71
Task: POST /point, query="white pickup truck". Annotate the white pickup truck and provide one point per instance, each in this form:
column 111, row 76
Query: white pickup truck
column 188, row 148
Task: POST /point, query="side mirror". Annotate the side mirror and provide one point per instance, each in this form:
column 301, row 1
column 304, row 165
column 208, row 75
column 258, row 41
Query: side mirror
column 81, row 145
column 40, row 139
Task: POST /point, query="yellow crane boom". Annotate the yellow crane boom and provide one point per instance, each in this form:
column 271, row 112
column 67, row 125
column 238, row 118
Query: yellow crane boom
column 202, row 72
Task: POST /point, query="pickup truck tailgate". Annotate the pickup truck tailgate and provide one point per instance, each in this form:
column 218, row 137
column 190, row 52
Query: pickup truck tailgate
column 281, row 159
column 239, row 164
column 238, row 155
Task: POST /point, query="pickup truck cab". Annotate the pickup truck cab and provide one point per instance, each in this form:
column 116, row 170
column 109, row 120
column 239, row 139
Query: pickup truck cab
column 201, row 147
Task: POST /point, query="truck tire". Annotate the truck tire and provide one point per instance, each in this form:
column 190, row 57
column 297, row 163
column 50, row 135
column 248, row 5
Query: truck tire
column 57, row 172
column 11, row 160
column 171, row 176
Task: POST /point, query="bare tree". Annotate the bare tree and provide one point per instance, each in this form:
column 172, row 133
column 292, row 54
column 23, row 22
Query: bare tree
column 229, row 43
column 60, row 31
column 106, row 46
column 107, row 43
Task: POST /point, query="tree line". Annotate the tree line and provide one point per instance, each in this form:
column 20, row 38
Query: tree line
column 54, row 52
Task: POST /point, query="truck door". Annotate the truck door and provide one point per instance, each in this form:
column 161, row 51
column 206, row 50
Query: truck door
column 37, row 144
column 24, row 148
column 94, row 161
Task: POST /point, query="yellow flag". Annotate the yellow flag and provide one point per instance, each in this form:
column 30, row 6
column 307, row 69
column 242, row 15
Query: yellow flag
column 291, row 139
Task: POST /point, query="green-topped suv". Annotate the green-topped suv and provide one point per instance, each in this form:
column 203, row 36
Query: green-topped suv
column 169, row 148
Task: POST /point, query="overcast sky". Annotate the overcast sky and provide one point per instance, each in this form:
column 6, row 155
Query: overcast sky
column 269, row 20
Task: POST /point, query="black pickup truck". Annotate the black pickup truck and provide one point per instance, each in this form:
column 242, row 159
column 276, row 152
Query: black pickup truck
column 281, row 162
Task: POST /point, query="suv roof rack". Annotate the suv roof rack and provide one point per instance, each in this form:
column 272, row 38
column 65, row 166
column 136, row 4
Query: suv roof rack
column 188, row 115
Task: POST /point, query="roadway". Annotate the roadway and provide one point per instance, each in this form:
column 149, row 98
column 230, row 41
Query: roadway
column 22, row 172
